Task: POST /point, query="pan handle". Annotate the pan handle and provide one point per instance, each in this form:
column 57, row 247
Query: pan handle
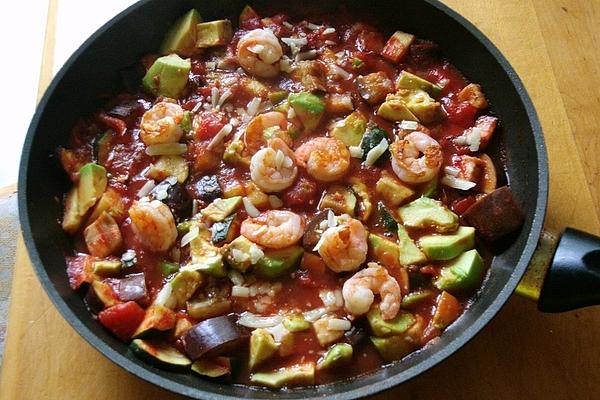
column 564, row 273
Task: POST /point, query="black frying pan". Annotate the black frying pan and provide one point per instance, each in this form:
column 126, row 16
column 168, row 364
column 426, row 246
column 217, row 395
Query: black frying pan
column 92, row 73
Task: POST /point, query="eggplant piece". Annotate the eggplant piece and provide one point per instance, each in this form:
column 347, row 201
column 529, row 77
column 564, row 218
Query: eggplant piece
column 313, row 231
column 214, row 337
column 496, row 215
column 356, row 334
column 131, row 288
column 206, row 188
column 179, row 201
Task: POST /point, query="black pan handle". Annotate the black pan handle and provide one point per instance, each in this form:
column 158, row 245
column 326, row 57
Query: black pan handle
column 565, row 272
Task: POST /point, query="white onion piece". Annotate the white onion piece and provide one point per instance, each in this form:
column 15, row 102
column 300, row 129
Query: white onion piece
column 147, row 188
column 409, row 125
column 234, row 276
column 337, row 324
column 336, row 70
column 191, row 235
column 356, row 151
column 331, row 222
column 279, row 332
column 450, row 170
column 166, row 149
column 307, row 55
column 252, row 107
column 328, row 31
column 475, row 139
column 226, row 94
column 376, row 152
column 313, row 315
column 240, row 291
column 251, row 320
column 225, row 130
column 457, row 183
column 251, row 210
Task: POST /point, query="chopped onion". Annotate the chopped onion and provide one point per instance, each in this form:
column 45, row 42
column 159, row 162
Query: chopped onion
column 285, row 64
column 356, row 151
column 279, row 332
column 376, row 152
column 450, row 170
column 475, row 139
column 291, row 113
column 224, row 97
column 240, row 291
column 147, row 188
column 191, row 235
column 307, row 55
column 320, row 242
column 460, row 140
column 235, row 277
column 279, row 157
column 211, row 65
column 252, row 107
column 166, row 149
column 225, row 130
column 312, row 27
column 457, row 183
column 275, row 201
column 256, row 49
column 194, row 207
column 337, row 324
column 214, row 97
column 287, row 25
column 256, row 321
column 336, row 70
column 163, row 297
column 295, row 44
column 409, row 125
column 331, row 222
column 313, row 315
column 251, row 210
column 329, row 42
column 328, row 31
column 255, row 253
column 197, row 107
column 329, row 299
column 239, row 256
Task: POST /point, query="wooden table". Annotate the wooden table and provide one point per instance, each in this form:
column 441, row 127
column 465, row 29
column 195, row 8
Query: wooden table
column 522, row 353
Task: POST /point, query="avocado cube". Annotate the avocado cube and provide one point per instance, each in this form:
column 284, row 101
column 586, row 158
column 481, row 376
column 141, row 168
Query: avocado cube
column 241, row 254
column 181, row 38
column 262, row 347
column 421, row 104
column 72, row 219
column 206, row 257
column 103, row 237
column 351, row 129
column 413, row 299
column 168, row 76
column 107, row 267
column 276, row 262
column 394, row 109
column 338, row 355
column 392, row 190
column 213, row 33
column 112, row 202
column 395, row 326
column 340, row 199
column 397, row 46
column 463, row 273
column 409, row 253
column 446, row 247
column 392, row 348
column 220, row 209
column 308, row 107
column 92, row 183
column 425, row 213
column 384, row 251
column 295, row 323
column 300, row 374
column 324, row 334
column 167, row 166
column 406, row 80
column 157, row 318
column 183, row 286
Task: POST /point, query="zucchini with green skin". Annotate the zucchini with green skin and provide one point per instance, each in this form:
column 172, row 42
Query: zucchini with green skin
column 340, row 199
column 371, row 139
column 277, row 262
column 160, row 354
column 223, row 232
column 385, row 218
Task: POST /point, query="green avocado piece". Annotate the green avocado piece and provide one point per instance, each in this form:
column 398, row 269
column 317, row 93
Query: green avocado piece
column 409, row 254
column 406, row 80
column 395, row 326
column 446, row 247
column 241, row 254
column 296, row 375
column 338, row 355
column 384, row 251
column 186, row 122
column 213, row 33
column 206, row 257
column 72, row 219
column 394, row 109
column 392, row 190
column 415, row 298
column 308, row 107
column 426, row 213
column 220, row 209
column 278, row 96
column 296, row 323
column 421, row 104
column 168, row 76
column 160, row 354
column 465, row 272
column 169, row 165
column 168, row 268
column 92, row 183
column 262, row 347
column 351, row 129
column 340, row 199
column 392, row 348
column 181, row 37
column 107, row 267
column 276, row 262
column 178, row 290
column 233, row 153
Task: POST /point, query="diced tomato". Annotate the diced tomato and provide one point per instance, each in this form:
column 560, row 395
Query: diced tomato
column 117, row 125
column 461, row 205
column 487, row 124
column 447, row 310
column 71, row 162
column 123, row 319
column 303, row 193
column 79, row 270
column 210, row 124
column 313, row 263
column 462, row 113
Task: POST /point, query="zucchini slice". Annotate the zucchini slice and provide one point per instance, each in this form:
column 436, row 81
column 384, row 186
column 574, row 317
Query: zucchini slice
column 160, row 354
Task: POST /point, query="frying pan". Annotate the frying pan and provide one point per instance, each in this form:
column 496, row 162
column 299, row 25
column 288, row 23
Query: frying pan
column 92, row 74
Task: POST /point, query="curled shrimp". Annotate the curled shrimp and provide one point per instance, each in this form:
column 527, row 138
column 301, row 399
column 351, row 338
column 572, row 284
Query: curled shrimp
column 417, row 158
column 259, row 52
column 254, row 135
column 359, row 292
column 326, row 159
column 160, row 124
column 344, row 247
column 274, row 229
column 273, row 168
column 153, row 224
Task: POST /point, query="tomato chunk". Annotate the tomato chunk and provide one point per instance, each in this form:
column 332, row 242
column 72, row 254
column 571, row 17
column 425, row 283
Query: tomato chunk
column 208, row 125
column 123, row 319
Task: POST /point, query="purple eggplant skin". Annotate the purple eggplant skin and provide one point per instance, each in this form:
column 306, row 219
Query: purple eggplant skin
column 131, row 287
column 215, row 336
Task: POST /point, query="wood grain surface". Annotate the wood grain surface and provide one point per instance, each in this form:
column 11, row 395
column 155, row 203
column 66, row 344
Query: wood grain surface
column 521, row 354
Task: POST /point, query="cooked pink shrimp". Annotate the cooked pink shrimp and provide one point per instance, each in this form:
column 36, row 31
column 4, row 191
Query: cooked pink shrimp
column 274, row 229
column 359, row 292
column 153, row 224
column 160, row 124
column 254, row 137
column 259, row 52
column 326, row 159
column 344, row 247
column 417, row 158
column 273, row 168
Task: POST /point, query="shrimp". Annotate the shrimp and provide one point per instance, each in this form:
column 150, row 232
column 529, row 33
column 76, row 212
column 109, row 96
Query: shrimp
column 344, row 247
column 417, row 158
column 274, row 229
column 273, row 168
column 326, row 159
column 359, row 292
column 254, row 135
column 153, row 224
column 160, row 124
column 259, row 52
